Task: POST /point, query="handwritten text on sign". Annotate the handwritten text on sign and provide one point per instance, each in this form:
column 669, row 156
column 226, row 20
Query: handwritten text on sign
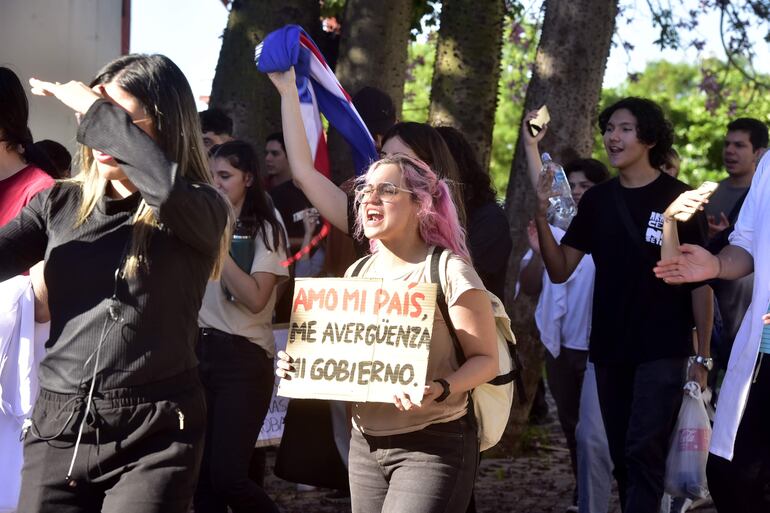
column 272, row 426
column 356, row 339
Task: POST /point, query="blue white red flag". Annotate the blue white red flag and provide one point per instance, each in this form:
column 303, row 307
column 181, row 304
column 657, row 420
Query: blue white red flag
column 319, row 93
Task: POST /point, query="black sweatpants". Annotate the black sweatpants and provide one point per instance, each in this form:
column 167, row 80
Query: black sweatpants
column 640, row 403
column 140, row 451
column 238, row 378
column 743, row 484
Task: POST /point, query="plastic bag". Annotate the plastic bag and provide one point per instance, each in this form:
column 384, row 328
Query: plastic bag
column 688, row 452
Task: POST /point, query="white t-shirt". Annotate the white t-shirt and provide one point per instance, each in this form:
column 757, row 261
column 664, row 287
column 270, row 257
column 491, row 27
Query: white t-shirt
column 563, row 313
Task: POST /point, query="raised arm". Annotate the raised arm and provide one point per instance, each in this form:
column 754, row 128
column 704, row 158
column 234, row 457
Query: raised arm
column 531, row 150
column 329, row 199
column 560, row 260
column 193, row 212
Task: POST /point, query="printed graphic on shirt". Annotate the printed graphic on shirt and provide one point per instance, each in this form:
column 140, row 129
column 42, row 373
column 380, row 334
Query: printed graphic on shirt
column 654, row 233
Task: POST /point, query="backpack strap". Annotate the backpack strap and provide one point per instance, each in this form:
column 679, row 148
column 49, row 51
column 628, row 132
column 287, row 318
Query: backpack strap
column 438, row 256
column 359, row 266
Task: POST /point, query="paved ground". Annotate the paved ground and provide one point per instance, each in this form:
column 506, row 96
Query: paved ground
column 539, row 481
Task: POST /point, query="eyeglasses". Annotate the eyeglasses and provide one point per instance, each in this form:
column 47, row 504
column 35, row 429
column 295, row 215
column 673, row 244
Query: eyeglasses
column 385, row 191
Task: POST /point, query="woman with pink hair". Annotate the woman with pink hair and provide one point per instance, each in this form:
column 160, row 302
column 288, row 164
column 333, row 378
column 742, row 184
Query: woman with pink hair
column 420, row 455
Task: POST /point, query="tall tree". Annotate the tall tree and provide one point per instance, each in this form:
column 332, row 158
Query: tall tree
column 239, row 89
column 467, row 70
column 372, row 52
column 373, row 44
column 567, row 76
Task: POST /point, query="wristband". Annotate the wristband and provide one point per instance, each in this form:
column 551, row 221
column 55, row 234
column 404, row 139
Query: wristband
column 445, row 385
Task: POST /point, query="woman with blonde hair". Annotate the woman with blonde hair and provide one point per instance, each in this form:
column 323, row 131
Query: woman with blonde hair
column 129, row 246
column 420, row 455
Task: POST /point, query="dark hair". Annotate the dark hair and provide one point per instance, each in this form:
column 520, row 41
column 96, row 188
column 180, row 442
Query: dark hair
column 60, row 157
column 276, row 136
column 162, row 89
column 756, row 129
column 595, row 171
column 376, row 109
column 428, row 145
column 477, row 186
column 215, row 120
column 14, row 116
column 257, row 206
column 652, row 127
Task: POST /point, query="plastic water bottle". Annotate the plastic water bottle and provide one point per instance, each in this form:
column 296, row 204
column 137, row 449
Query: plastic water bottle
column 562, row 208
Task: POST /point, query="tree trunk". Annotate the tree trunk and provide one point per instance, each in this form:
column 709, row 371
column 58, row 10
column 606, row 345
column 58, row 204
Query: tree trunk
column 467, row 70
column 372, row 52
column 239, row 89
column 568, row 73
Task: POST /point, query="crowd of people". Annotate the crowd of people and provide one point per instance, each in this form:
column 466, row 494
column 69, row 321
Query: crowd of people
column 164, row 254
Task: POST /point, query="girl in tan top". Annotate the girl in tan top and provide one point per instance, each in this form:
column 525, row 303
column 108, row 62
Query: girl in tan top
column 420, row 455
column 236, row 345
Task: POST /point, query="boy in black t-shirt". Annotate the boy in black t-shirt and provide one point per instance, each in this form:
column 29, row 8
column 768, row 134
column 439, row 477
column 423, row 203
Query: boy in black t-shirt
column 641, row 328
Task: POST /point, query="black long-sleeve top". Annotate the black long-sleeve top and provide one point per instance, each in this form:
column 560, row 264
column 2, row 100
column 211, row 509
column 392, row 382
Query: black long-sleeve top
column 159, row 306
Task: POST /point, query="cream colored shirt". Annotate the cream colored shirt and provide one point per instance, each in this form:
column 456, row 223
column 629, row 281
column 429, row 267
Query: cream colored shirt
column 233, row 317
column 383, row 419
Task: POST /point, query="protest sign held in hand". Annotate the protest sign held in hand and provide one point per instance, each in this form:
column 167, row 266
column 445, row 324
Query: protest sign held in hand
column 356, row 339
column 272, row 426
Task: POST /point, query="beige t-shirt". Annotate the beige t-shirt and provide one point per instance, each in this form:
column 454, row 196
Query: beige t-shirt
column 233, row 317
column 383, row 419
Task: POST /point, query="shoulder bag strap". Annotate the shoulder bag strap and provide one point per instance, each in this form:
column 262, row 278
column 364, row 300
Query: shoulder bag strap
column 435, row 277
column 631, row 228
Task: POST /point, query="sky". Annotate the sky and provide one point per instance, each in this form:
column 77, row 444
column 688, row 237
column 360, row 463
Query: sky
column 195, row 39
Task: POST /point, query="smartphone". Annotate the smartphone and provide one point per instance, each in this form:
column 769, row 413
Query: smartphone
column 541, row 119
column 302, row 214
column 706, row 189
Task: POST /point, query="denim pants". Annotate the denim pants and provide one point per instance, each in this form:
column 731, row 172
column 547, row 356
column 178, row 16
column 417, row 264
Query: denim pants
column 430, row 471
column 594, row 475
column 237, row 376
column 640, row 403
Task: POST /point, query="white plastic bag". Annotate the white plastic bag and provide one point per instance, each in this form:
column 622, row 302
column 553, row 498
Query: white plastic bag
column 688, row 452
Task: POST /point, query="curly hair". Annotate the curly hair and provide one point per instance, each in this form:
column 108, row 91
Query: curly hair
column 652, row 127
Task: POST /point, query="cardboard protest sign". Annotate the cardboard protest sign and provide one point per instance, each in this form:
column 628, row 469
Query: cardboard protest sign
column 272, row 427
column 356, row 339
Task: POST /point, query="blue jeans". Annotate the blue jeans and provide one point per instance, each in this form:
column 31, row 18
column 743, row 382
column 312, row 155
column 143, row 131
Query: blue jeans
column 594, row 475
column 430, row 471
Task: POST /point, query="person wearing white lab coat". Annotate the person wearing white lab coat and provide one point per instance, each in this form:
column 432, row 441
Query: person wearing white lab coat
column 739, row 461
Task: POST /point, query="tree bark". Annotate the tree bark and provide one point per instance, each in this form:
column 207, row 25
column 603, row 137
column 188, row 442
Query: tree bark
column 467, row 70
column 372, row 52
column 239, row 89
column 567, row 76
